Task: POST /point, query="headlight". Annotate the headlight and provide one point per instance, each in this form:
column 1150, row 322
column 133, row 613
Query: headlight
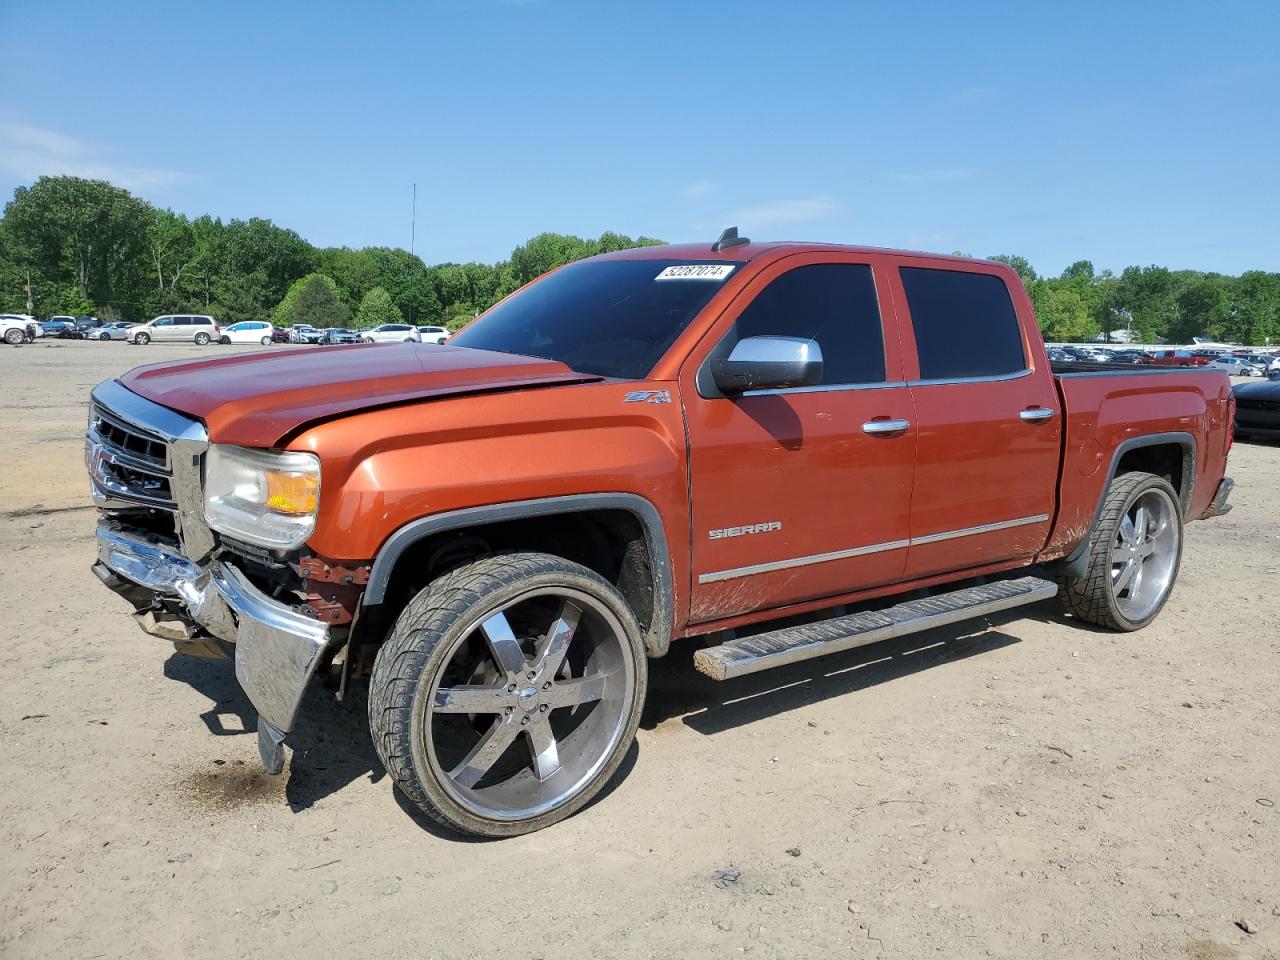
column 260, row 496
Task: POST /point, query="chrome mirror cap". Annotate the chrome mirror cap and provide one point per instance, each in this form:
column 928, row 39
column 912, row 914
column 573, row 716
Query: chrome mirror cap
column 768, row 363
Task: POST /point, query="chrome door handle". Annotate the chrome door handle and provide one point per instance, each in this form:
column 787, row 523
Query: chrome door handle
column 1035, row 414
column 877, row 427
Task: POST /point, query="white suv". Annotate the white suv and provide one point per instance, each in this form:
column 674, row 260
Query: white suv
column 433, row 334
column 391, row 333
column 192, row 328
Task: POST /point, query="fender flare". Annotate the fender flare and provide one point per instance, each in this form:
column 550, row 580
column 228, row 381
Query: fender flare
column 658, row 638
column 1073, row 564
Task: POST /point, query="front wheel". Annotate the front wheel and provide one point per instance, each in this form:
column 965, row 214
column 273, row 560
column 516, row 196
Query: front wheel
column 202, row 339
column 265, row 341
column 142, row 338
column 508, row 693
column 1134, row 554
column 13, row 336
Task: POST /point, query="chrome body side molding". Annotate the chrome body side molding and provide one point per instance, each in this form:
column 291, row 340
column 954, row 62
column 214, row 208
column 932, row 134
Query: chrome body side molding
column 805, row 561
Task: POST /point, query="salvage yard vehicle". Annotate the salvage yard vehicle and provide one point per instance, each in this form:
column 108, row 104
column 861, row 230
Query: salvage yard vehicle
column 18, row 328
column 112, row 331
column 198, row 329
column 248, row 331
column 700, row 440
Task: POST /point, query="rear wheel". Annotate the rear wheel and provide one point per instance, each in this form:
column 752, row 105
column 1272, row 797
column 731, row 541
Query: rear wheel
column 202, row 339
column 508, row 693
column 1134, row 555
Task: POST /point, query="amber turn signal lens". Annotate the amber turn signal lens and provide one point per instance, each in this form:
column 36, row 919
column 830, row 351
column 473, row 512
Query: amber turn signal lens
column 291, row 493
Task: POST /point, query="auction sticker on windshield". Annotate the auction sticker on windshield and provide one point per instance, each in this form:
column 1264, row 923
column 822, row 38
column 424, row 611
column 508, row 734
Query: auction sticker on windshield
column 696, row 271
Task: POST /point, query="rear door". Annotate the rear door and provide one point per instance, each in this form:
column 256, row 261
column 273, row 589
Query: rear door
column 988, row 419
column 794, row 496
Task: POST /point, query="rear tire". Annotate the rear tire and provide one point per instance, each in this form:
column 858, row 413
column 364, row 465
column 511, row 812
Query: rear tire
column 508, row 693
column 202, row 339
column 1134, row 554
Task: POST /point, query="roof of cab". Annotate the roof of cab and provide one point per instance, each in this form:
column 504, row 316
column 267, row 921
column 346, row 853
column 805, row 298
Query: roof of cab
column 751, row 250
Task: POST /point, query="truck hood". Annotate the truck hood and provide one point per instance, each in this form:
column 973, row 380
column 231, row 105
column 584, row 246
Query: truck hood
column 258, row 399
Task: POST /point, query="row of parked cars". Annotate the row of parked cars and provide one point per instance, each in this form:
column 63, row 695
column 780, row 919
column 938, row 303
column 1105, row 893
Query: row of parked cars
column 202, row 329
column 1244, row 362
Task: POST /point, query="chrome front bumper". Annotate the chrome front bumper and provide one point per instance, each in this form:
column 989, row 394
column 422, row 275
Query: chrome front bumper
column 277, row 649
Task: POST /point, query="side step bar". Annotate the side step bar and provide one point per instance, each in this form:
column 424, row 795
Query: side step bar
column 779, row 647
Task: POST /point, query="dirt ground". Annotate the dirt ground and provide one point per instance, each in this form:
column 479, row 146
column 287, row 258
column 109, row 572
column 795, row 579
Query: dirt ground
column 1011, row 788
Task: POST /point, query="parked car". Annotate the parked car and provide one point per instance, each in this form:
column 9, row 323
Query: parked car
column 709, row 458
column 61, row 327
column 336, row 335
column 248, row 331
column 1265, row 362
column 1258, row 409
column 1236, row 366
column 1178, row 358
column 196, row 328
column 303, row 333
column 434, row 334
column 112, row 331
column 86, row 325
column 17, row 328
column 391, row 333
column 1135, row 357
column 280, row 335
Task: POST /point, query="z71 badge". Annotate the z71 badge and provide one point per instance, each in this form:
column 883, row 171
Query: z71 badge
column 648, row 396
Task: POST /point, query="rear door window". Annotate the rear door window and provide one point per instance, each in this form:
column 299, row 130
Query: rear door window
column 833, row 304
column 965, row 325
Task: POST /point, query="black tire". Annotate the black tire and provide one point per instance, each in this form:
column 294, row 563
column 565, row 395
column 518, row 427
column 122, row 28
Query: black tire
column 202, row 339
column 14, row 336
column 420, row 649
column 225, row 341
column 143, row 338
column 1093, row 597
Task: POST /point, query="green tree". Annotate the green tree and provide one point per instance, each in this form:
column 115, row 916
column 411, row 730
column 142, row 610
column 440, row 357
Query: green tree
column 284, row 314
column 318, row 304
column 376, row 308
column 1064, row 316
column 1202, row 306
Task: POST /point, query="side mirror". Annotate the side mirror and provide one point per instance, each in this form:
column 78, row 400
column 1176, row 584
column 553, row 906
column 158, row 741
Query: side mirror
column 768, row 363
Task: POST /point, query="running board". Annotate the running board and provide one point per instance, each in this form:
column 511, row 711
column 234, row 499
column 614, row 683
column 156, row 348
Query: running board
column 779, row 647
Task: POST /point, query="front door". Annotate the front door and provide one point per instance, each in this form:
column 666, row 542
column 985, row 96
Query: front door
column 989, row 422
column 800, row 494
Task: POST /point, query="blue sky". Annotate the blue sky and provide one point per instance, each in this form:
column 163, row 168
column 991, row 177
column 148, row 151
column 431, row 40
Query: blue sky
column 1124, row 133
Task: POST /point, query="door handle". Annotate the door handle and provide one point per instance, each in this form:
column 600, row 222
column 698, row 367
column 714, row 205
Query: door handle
column 881, row 427
column 1036, row 414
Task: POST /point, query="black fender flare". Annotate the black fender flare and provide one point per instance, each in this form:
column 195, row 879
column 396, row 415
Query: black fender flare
column 658, row 638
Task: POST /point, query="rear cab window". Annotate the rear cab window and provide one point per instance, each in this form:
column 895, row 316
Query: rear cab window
column 965, row 324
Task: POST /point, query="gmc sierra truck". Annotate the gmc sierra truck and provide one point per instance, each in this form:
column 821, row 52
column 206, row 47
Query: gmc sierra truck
column 784, row 449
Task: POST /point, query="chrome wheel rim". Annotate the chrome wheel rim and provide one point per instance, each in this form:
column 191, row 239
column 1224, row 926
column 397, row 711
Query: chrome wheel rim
column 529, row 704
column 1144, row 555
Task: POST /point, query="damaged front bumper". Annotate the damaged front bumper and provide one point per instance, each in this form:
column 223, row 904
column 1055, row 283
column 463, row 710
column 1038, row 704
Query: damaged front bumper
column 276, row 649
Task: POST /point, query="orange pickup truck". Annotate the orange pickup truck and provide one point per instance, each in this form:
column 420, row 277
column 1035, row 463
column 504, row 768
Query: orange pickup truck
column 762, row 445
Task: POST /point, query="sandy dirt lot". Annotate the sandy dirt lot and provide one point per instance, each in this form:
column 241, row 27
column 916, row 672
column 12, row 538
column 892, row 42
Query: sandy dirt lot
column 1010, row 788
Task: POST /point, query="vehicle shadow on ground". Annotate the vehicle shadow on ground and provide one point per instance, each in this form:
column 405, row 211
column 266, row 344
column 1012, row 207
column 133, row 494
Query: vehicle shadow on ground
column 676, row 689
column 330, row 747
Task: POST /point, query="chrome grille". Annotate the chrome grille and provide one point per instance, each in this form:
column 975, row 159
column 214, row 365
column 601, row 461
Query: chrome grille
column 127, row 462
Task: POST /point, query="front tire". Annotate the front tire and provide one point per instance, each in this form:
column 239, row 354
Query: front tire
column 142, row 338
column 1134, row 555
column 265, row 341
column 13, row 336
column 508, row 693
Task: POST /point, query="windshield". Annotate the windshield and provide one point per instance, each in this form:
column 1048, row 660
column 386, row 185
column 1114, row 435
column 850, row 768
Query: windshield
column 613, row 318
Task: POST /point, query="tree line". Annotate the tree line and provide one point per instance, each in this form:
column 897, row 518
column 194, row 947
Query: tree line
column 88, row 247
